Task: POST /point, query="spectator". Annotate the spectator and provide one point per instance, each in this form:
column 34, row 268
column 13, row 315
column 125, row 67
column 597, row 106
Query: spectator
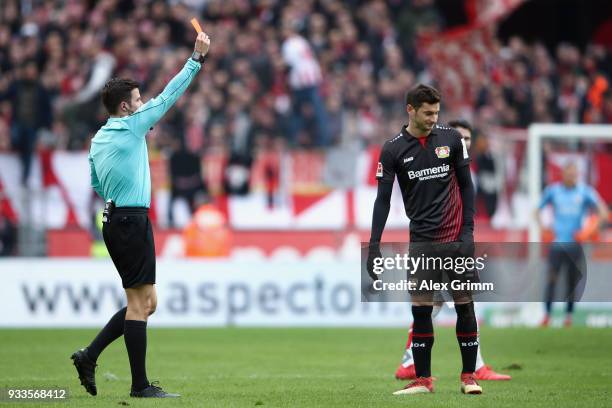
column 304, row 81
column 486, row 174
column 81, row 109
column 8, row 226
column 606, row 110
column 185, row 179
column 31, row 112
column 8, row 236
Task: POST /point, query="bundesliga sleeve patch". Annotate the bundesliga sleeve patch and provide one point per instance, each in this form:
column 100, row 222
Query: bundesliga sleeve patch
column 379, row 170
column 465, row 151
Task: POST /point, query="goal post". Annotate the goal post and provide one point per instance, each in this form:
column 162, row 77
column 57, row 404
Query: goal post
column 538, row 132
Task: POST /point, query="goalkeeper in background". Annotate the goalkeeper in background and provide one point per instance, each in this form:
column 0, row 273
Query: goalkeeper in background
column 571, row 201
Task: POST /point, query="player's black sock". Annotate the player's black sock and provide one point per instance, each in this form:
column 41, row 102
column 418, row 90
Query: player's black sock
column 549, row 294
column 111, row 332
column 570, row 308
column 135, row 336
column 422, row 340
column 467, row 336
column 548, row 307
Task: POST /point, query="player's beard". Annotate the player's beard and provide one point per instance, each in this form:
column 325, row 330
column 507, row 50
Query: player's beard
column 423, row 127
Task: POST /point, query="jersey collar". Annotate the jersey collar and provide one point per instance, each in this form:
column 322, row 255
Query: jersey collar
column 409, row 136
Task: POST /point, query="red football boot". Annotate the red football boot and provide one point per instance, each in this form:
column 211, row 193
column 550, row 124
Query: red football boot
column 486, row 373
column 469, row 384
column 419, row 386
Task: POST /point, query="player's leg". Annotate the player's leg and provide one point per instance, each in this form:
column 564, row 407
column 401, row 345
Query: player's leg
column 406, row 371
column 142, row 301
column 555, row 260
column 466, row 328
column 569, row 313
column 574, row 262
column 152, row 302
column 85, row 359
column 479, row 360
column 422, row 326
column 467, row 337
column 422, row 338
column 137, row 268
column 111, row 332
column 422, row 343
column 483, row 371
column 135, row 333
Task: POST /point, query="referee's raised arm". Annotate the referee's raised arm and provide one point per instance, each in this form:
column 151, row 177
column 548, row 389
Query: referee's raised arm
column 151, row 112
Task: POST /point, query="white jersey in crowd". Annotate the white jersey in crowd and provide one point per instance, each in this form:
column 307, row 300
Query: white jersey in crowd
column 305, row 70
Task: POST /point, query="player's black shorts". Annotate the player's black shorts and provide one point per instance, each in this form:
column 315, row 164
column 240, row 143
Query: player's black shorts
column 129, row 240
column 442, row 273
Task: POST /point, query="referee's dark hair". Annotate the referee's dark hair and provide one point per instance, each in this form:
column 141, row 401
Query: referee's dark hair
column 421, row 94
column 117, row 90
column 462, row 124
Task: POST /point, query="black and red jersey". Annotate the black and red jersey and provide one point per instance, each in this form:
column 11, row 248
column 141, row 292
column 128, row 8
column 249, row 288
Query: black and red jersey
column 425, row 170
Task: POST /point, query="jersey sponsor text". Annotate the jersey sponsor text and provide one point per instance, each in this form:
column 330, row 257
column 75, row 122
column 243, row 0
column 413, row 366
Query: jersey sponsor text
column 429, row 173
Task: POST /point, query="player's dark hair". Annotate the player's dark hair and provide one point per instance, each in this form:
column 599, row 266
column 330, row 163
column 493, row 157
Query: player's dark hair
column 421, row 94
column 115, row 91
column 461, row 123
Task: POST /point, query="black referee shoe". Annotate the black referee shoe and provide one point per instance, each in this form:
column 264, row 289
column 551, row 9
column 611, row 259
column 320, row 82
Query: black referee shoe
column 153, row 391
column 86, row 369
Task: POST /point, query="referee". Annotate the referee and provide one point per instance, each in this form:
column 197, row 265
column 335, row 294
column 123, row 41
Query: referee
column 431, row 163
column 120, row 175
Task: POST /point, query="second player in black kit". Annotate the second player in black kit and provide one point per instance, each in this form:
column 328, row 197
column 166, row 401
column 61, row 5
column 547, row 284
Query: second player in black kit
column 431, row 163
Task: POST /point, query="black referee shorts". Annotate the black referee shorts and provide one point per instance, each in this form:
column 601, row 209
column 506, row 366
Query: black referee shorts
column 129, row 240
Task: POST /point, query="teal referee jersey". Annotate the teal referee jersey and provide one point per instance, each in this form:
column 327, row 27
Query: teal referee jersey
column 118, row 157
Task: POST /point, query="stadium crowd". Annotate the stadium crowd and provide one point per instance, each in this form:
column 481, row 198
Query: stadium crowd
column 263, row 83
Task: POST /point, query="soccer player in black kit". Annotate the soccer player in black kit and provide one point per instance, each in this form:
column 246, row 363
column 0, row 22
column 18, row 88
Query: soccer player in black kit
column 431, row 163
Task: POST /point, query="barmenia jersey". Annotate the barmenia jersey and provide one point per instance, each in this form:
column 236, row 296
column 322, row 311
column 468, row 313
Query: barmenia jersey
column 425, row 170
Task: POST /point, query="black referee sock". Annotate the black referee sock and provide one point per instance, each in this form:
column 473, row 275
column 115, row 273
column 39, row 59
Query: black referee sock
column 111, row 332
column 467, row 336
column 135, row 336
column 422, row 340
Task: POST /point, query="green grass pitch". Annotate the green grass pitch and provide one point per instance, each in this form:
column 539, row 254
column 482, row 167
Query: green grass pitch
column 316, row 367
